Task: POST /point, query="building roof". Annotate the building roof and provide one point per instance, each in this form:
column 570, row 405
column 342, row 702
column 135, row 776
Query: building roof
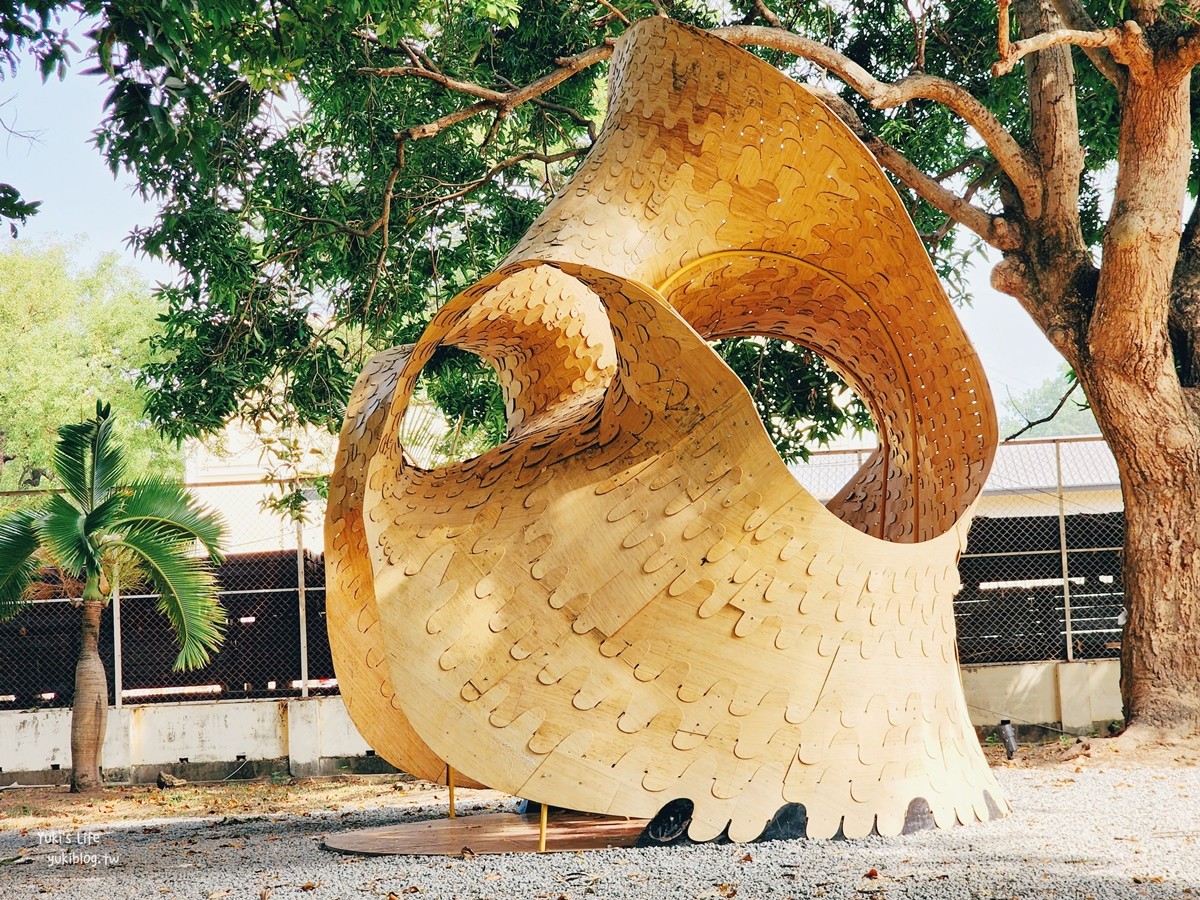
column 1020, row 467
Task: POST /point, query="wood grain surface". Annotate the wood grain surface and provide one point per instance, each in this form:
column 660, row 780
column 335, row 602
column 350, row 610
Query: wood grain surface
column 631, row 600
column 487, row 833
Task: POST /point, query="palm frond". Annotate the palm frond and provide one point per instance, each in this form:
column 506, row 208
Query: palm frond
column 188, row 595
column 87, row 461
column 105, row 515
column 107, row 458
column 62, row 530
column 18, row 544
column 71, row 461
column 169, row 509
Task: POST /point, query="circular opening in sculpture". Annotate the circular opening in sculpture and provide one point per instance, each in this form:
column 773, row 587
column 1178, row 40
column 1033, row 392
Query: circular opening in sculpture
column 456, row 411
column 803, row 402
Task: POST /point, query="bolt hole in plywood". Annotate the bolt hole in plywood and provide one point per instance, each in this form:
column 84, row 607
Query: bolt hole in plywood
column 630, row 601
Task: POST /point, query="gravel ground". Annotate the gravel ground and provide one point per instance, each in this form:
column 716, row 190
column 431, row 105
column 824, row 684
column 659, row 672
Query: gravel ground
column 1088, row 833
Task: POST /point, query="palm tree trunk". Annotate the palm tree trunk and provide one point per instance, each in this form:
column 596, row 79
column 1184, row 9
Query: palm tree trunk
column 89, row 714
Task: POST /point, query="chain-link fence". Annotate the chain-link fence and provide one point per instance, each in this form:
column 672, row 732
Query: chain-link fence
column 1041, row 581
column 1042, row 570
column 272, row 587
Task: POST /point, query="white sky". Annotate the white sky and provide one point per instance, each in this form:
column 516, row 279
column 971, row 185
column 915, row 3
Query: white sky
column 60, row 167
column 82, row 201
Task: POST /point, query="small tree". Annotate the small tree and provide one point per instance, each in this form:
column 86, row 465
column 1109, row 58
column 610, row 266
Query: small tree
column 81, row 531
column 70, row 324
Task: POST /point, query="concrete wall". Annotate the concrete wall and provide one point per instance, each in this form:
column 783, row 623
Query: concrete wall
column 1006, row 504
column 199, row 740
column 1078, row 697
column 315, row 736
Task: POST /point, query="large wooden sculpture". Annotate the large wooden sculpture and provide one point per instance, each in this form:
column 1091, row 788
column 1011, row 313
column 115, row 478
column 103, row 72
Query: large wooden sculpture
column 631, row 601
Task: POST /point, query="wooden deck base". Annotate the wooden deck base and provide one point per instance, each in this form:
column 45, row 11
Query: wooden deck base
column 490, row 833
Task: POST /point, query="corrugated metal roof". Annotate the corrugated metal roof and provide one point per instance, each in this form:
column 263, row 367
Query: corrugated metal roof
column 1020, row 467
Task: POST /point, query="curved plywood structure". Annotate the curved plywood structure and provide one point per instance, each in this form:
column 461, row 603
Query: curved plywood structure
column 631, row 601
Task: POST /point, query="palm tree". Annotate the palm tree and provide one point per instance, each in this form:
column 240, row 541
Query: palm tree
column 82, row 530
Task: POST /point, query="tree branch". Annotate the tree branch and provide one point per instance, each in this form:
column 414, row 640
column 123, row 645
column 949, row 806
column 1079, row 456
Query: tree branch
column 1016, row 52
column 412, row 56
column 501, row 115
column 988, row 174
column 1044, row 419
column 453, row 84
column 1054, row 121
column 964, row 166
column 1076, row 18
column 920, row 27
column 994, row 230
column 1008, row 153
column 490, row 175
column 1053, row 294
column 415, row 54
column 383, row 224
column 1126, row 42
column 768, row 16
column 1002, row 42
column 883, row 95
column 615, row 12
column 573, row 114
column 423, row 57
column 502, row 103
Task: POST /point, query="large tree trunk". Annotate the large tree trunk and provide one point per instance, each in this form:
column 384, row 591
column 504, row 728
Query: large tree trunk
column 1113, row 329
column 1128, row 368
column 1160, row 665
column 89, row 714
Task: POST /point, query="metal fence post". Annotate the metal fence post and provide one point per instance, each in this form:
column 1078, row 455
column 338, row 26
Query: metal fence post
column 301, row 593
column 1062, row 544
column 116, row 605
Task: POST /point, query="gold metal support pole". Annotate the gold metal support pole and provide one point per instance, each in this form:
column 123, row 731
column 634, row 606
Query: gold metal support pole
column 542, row 829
